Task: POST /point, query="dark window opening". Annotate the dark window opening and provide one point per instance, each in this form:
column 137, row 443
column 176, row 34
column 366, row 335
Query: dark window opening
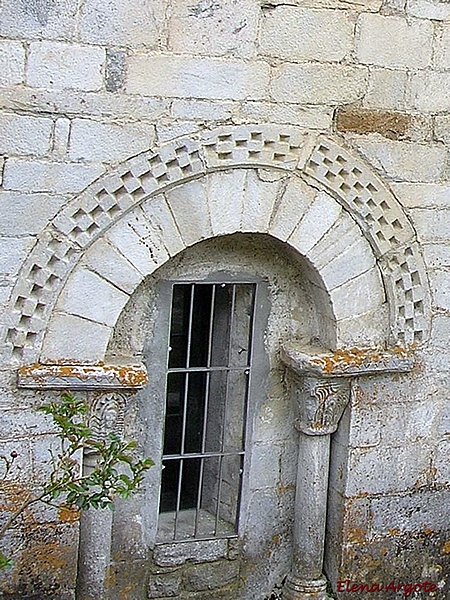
column 207, row 386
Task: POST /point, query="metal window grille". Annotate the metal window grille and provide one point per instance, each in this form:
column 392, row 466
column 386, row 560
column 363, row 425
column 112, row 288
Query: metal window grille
column 208, row 375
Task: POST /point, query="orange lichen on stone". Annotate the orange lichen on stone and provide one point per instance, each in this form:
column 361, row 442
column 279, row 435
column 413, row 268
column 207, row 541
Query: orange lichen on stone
column 68, row 515
column 354, row 357
column 446, row 548
column 61, row 375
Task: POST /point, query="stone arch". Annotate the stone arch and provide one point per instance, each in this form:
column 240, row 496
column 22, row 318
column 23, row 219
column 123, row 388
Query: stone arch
column 328, row 206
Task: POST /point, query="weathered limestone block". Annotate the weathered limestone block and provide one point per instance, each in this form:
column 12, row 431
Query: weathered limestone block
column 437, row 255
column 437, row 10
column 171, row 555
column 393, row 125
column 432, row 225
column 351, row 298
column 12, row 62
column 189, row 206
column 441, row 56
column 226, row 200
column 26, row 213
column 318, row 83
column 387, row 89
column 39, row 176
column 92, row 297
column 13, row 251
column 354, row 261
column 38, row 19
column 136, row 239
column 115, row 69
column 305, row 34
column 411, row 513
column 440, row 289
column 442, row 127
column 177, row 76
column 393, row 42
column 108, row 142
column 211, row 576
column 165, row 585
column 74, row 339
column 260, row 196
column 78, row 103
column 387, row 469
column 430, row 91
column 405, row 160
column 310, row 117
column 221, row 28
column 61, row 137
column 422, row 195
column 129, row 23
column 161, row 219
column 318, row 219
column 57, row 65
column 25, row 135
column 296, row 199
column 201, row 110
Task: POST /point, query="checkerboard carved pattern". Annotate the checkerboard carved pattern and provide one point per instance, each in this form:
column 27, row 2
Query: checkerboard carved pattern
column 103, row 203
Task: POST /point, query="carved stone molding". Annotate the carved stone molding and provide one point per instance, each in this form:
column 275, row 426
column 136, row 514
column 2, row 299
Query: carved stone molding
column 317, row 159
column 107, row 415
column 82, row 377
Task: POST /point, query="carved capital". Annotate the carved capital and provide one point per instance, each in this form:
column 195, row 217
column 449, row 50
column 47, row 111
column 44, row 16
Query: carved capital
column 107, row 415
column 319, row 403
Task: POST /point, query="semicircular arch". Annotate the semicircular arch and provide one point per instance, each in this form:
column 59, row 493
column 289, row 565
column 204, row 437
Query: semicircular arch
column 303, row 189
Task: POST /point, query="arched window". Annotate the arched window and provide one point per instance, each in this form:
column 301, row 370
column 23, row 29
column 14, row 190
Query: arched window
column 209, row 368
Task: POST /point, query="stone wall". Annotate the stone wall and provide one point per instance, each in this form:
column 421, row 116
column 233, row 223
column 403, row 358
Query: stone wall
column 85, row 86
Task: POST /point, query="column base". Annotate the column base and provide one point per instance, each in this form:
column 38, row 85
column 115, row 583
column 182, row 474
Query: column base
column 298, row 589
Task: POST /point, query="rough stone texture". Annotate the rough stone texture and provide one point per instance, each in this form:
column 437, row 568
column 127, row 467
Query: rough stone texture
column 303, row 34
column 130, row 23
column 61, row 178
column 98, row 141
column 318, row 84
column 405, row 161
column 12, row 62
column 23, row 135
column 26, row 213
column 437, row 10
column 393, row 42
column 55, row 65
column 392, row 125
column 429, row 92
column 196, row 77
column 221, row 28
column 38, row 19
column 387, row 89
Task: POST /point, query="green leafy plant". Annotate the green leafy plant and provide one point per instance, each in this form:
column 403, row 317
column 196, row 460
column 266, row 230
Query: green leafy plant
column 113, row 472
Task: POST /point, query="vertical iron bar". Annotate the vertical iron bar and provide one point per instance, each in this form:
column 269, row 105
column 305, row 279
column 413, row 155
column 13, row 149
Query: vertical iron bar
column 177, row 511
column 219, row 493
column 205, row 409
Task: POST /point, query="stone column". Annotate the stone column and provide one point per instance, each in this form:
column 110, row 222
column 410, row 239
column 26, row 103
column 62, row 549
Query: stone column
column 94, row 554
column 319, row 404
column 106, row 417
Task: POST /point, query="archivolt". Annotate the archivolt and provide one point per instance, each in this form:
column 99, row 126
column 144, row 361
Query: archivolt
column 133, row 220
